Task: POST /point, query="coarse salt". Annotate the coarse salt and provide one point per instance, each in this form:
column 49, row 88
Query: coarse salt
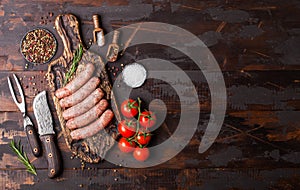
column 134, row 75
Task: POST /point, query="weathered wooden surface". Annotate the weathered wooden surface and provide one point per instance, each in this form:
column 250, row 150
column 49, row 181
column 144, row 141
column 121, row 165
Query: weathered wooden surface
column 256, row 44
column 67, row 25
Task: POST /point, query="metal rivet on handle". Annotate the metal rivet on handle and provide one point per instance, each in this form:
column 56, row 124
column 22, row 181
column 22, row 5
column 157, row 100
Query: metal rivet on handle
column 50, row 155
column 35, row 150
column 52, row 171
column 30, row 132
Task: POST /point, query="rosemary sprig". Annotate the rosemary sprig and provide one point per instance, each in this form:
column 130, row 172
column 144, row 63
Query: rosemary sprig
column 76, row 58
column 18, row 149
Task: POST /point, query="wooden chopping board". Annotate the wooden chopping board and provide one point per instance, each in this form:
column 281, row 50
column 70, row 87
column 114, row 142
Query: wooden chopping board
column 92, row 149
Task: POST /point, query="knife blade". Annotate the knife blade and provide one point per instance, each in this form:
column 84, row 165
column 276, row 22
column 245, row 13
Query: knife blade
column 47, row 135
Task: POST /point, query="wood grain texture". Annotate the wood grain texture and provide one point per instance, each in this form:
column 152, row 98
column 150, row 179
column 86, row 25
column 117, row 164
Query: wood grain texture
column 256, row 44
column 283, row 178
column 91, row 149
column 255, row 90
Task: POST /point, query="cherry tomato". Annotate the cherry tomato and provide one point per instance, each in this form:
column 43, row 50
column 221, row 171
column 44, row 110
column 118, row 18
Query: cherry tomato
column 126, row 146
column 141, row 154
column 127, row 128
column 129, row 108
column 147, row 119
column 143, row 137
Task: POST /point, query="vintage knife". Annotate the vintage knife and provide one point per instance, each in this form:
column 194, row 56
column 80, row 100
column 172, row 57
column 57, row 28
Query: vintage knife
column 47, row 135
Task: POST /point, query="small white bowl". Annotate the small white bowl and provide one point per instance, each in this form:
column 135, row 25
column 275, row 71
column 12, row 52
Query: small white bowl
column 134, row 75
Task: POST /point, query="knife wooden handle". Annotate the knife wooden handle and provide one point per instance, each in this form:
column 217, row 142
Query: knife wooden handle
column 52, row 154
column 33, row 140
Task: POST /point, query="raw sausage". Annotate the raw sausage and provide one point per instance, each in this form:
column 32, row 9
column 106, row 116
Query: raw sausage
column 81, row 93
column 77, row 82
column 84, row 106
column 94, row 127
column 87, row 117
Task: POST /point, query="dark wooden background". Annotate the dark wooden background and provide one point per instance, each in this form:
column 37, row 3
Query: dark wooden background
column 257, row 46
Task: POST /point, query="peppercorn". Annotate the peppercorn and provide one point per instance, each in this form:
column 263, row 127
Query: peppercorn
column 38, row 46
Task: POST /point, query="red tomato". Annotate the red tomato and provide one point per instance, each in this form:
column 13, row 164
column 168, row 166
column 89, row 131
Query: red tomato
column 143, row 137
column 141, row 154
column 127, row 128
column 147, row 119
column 129, row 108
column 126, row 146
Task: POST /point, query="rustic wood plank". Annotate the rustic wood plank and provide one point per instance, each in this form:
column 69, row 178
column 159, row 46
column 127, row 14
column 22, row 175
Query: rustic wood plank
column 219, row 178
column 256, row 44
column 259, row 90
column 264, row 139
column 259, row 42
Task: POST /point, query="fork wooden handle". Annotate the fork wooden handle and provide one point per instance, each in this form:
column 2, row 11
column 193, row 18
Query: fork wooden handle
column 33, row 140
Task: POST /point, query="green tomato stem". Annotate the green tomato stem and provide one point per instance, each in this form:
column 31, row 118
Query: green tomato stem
column 137, row 123
column 133, row 138
column 139, row 115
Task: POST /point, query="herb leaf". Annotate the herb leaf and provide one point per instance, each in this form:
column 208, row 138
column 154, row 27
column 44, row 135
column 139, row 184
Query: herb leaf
column 76, row 58
column 22, row 156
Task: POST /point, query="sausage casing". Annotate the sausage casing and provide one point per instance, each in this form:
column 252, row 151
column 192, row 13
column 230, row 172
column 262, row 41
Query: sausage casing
column 80, row 94
column 88, row 116
column 94, row 127
column 77, row 82
column 83, row 106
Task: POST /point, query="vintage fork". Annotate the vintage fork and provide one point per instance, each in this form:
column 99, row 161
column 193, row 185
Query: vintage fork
column 31, row 133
